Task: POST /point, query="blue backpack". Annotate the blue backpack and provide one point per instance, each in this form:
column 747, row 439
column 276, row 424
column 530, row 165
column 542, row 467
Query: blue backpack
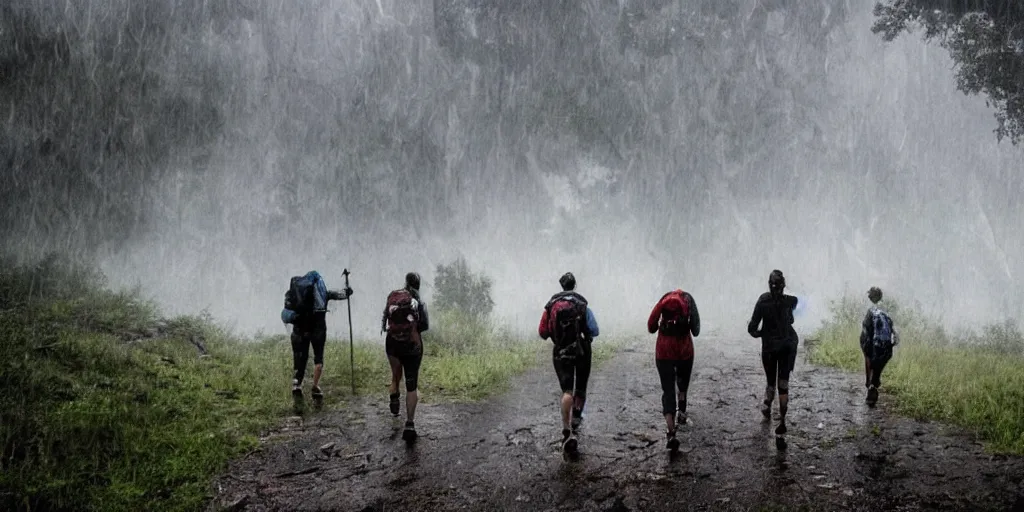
column 306, row 295
column 884, row 333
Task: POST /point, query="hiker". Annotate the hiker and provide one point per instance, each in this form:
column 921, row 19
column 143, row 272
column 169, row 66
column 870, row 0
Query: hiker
column 571, row 326
column 305, row 307
column 772, row 321
column 404, row 319
column 877, row 338
column 676, row 320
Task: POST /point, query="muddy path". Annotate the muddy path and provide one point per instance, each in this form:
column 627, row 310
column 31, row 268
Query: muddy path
column 503, row 454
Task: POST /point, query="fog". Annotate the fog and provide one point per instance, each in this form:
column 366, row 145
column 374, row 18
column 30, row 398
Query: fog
column 206, row 152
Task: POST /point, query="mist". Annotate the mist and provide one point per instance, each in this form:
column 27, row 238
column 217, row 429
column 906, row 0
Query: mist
column 205, row 152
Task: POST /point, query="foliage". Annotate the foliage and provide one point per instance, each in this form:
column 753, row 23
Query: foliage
column 984, row 38
column 104, row 405
column 458, row 288
column 973, row 379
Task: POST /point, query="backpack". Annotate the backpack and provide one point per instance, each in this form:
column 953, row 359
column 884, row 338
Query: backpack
column 884, row 333
column 403, row 316
column 306, row 294
column 567, row 317
column 675, row 314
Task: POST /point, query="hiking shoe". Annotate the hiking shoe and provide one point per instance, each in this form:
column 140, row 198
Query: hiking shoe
column 393, row 404
column 570, row 443
column 781, row 429
column 681, row 418
column 766, row 409
column 673, row 442
column 872, row 395
column 409, row 434
column 296, row 388
column 317, row 392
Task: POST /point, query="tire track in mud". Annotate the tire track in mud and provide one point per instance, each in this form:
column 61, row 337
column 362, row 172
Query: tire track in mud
column 503, row 454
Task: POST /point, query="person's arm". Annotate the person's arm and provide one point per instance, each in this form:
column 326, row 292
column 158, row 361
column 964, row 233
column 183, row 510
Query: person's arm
column 791, row 302
column 755, row 321
column 592, row 324
column 543, row 328
column 384, row 319
column 424, row 323
column 694, row 316
column 339, row 294
column 652, row 321
column 867, row 329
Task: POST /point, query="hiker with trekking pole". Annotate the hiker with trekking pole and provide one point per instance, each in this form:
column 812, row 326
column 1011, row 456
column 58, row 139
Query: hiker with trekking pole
column 305, row 307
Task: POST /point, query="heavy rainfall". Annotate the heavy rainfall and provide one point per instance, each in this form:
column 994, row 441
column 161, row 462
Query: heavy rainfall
column 200, row 153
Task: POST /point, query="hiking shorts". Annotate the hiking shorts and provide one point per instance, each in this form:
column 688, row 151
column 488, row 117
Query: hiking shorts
column 573, row 373
column 410, row 369
column 870, row 351
column 778, row 363
column 301, row 342
column 409, row 355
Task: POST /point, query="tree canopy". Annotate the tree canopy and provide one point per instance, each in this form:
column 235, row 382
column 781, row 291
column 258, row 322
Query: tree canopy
column 986, row 41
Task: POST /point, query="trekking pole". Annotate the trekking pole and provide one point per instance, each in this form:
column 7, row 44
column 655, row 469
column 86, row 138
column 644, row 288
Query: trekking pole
column 351, row 343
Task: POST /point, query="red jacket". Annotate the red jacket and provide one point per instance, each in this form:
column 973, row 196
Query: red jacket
column 675, row 348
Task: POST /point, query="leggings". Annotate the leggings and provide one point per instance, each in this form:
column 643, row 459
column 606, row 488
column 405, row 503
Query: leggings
column 777, row 365
column 673, row 373
column 301, row 341
column 573, row 374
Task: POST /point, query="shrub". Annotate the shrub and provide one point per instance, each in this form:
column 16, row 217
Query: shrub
column 458, row 288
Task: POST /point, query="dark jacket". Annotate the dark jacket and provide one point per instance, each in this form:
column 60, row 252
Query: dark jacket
column 772, row 321
column 316, row 321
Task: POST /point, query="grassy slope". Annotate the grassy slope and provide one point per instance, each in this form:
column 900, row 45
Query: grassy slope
column 107, row 406
column 974, row 380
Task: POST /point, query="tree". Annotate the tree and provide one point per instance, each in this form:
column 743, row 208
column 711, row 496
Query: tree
column 986, row 41
column 458, row 288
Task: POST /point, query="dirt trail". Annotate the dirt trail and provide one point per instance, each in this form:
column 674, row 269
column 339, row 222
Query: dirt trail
column 503, row 454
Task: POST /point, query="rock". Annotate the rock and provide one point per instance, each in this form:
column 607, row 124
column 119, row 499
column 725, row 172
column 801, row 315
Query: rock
column 327, row 449
column 617, row 505
column 238, row 504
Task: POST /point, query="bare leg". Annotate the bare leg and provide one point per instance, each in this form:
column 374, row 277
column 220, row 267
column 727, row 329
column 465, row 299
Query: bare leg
column 783, row 406
column 396, row 374
column 318, row 371
column 567, row 402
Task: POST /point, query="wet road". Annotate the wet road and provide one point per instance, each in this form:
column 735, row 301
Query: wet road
column 504, row 454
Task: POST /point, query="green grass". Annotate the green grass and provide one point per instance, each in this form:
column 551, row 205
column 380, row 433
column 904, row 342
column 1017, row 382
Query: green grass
column 970, row 379
column 105, row 405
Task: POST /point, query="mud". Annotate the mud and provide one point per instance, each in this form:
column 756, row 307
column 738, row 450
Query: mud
column 504, row 454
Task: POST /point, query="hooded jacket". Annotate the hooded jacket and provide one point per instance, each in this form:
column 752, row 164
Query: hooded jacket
column 674, row 348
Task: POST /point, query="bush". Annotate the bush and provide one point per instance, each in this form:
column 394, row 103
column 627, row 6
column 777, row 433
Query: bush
column 457, row 288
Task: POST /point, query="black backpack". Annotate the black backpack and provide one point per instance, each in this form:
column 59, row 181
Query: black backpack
column 301, row 295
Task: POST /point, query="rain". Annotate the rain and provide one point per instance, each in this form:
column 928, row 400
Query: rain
column 203, row 152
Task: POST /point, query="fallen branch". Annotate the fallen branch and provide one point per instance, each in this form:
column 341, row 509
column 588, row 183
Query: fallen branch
column 306, row 471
